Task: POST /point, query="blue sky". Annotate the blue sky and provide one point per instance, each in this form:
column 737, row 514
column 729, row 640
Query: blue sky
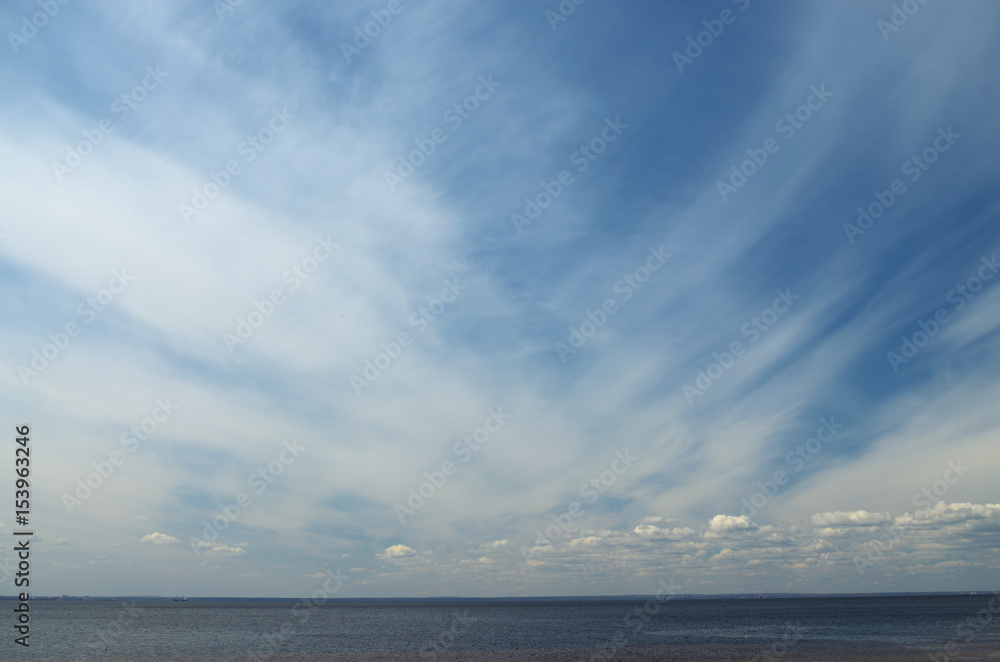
column 610, row 310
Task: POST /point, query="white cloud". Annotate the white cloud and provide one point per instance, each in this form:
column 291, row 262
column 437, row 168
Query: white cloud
column 856, row 518
column 953, row 513
column 219, row 549
column 160, row 539
column 650, row 530
column 723, row 555
column 396, row 552
column 722, row 524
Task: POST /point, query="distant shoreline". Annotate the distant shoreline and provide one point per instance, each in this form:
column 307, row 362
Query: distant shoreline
column 550, row 598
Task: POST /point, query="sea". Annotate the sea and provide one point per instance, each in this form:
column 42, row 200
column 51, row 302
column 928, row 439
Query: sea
column 936, row 627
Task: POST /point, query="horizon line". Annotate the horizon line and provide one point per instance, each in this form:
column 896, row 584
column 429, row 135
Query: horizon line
column 618, row 596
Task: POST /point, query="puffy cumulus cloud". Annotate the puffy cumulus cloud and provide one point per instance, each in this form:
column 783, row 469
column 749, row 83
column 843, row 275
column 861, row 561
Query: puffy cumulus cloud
column 723, row 554
column 397, row 552
column 656, row 519
column 585, row 541
column 736, row 552
column 969, row 523
column 723, row 524
column 160, row 539
column 652, row 531
column 647, row 530
column 496, row 544
column 821, row 545
column 855, row 518
column 839, row 532
column 950, row 513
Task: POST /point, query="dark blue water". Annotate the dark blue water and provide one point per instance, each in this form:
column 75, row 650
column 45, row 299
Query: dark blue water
column 106, row 629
